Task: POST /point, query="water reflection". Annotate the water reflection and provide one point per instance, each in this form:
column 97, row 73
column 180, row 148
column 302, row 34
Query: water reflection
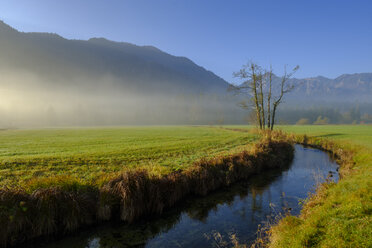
column 238, row 209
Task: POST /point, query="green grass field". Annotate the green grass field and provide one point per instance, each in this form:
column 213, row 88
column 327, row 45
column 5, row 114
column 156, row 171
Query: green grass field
column 338, row 216
column 357, row 134
column 92, row 153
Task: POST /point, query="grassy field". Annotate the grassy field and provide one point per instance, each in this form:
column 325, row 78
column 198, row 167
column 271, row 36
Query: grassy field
column 92, row 153
column 356, row 134
column 339, row 215
column 72, row 178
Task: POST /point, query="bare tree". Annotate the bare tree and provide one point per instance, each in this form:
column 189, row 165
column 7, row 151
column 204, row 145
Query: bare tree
column 251, row 74
column 261, row 81
column 258, row 85
column 285, row 88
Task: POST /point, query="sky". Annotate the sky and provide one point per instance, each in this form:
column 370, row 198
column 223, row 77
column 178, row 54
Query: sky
column 327, row 38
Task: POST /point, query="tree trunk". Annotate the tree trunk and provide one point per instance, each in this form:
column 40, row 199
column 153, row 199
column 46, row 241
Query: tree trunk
column 262, row 103
column 268, row 114
column 269, row 101
column 258, row 109
column 273, row 117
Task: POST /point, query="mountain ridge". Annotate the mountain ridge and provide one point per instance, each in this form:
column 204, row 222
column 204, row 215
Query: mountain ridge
column 136, row 65
column 123, row 60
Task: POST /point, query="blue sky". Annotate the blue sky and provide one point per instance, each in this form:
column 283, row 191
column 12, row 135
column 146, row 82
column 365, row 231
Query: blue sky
column 326, row 38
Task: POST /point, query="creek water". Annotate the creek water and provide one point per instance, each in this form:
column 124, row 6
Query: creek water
column 238, row 210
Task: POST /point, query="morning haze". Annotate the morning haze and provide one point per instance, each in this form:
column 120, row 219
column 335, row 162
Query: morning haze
column 185, row 123
column 48, row 80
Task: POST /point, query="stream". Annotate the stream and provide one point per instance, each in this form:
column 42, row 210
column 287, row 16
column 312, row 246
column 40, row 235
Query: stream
column 238, row 210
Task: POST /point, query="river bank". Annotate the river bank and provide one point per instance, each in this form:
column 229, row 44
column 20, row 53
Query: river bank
column 337, row 215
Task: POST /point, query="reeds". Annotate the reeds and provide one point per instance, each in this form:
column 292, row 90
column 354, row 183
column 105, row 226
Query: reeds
column 47, row 211
column 131, row 195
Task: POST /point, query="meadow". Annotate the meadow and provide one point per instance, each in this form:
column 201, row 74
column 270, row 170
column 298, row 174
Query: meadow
column 356, row 134
column 91, row 154
column 55, row 181
column 338, row 215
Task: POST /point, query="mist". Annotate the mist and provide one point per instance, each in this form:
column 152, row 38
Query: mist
column 49, row 81
column 28, row 100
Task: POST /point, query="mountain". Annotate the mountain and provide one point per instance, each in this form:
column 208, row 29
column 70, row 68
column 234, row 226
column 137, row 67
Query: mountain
column 345, row 88
column 135, row 67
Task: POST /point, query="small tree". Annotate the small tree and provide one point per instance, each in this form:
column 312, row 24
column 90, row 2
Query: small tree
column 321, row 121
column 262, row 90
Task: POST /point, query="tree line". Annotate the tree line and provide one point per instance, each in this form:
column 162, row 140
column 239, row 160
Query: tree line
column 324, row 115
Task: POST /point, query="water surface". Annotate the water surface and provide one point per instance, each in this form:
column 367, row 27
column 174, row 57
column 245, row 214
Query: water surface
column 238, row 209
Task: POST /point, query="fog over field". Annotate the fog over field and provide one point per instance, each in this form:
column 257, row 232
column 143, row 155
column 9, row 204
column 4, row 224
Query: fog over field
column 27, row 100
column 47, row 80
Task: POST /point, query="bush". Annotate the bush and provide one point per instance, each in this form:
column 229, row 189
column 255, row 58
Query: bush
column 303, row 121
column 321, row 121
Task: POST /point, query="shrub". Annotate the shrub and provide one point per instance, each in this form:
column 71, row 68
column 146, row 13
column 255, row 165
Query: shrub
column 303, row 121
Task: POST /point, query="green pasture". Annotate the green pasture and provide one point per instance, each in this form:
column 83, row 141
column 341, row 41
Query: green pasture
column 339, row 217
column 91, row 153
column 357, row 134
